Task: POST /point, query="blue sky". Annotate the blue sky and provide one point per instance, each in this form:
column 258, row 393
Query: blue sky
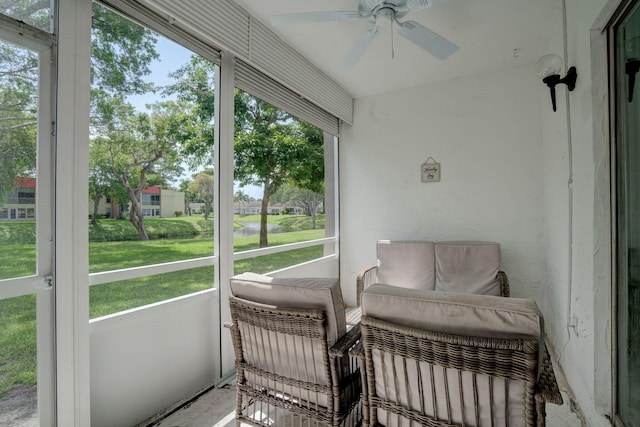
column 172, row 57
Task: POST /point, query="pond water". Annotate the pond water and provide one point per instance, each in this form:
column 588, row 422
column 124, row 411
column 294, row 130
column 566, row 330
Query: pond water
column 253, row 229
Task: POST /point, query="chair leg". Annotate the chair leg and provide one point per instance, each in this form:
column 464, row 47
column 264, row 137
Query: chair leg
column 541, row 413
column 238, row 407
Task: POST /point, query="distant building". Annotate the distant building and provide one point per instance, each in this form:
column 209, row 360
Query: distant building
column 255, row 208
column 156, row 202
column 196, row 208
column 21, row 201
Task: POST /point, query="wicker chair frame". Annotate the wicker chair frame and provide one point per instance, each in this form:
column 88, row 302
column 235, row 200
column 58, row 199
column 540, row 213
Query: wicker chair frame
column 500, row 359
column 270, row 392
column 369, row 276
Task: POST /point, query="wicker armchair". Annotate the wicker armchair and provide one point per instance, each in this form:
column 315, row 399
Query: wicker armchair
column 292, row 353
column 450, row 359
column 471, row 267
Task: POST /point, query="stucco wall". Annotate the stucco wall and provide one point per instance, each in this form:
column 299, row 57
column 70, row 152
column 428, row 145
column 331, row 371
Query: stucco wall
column 486, row 133
column 513, row 171
column 586, row 352
column 171, row 202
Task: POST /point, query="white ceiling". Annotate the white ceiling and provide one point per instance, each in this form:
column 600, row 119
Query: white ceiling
column 491, row 34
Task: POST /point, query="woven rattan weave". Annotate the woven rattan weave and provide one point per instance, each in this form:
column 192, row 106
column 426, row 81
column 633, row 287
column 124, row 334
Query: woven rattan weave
column 287, row 372
column 413, row 355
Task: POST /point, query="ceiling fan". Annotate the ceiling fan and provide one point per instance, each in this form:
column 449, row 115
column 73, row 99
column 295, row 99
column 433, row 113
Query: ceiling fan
column 380, row 13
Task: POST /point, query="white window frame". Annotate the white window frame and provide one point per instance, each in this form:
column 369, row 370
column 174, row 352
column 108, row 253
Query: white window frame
column 39, row 284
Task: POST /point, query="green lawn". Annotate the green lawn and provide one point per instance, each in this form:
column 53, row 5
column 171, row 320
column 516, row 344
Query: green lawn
column 112, row 246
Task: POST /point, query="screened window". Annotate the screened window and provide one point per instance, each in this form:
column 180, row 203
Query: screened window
column 281, row 175
column 284, row 205
column 36, row 13
column 144, row 121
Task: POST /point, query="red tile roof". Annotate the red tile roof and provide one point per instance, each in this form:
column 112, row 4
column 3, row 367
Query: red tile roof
column 25, row 182
column 154, row 189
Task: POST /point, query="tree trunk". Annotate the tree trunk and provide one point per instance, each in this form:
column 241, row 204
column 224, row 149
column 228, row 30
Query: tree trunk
column 313, row 218
column 137, row 219
column 96, row 204
column 115, row 209
column 263, row 216
column 135, row 212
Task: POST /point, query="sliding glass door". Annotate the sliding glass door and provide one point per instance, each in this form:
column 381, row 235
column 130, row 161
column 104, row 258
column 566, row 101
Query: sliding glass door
column 627, row 54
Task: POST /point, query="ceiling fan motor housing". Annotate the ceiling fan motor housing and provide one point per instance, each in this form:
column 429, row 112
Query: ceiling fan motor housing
column 385, row 9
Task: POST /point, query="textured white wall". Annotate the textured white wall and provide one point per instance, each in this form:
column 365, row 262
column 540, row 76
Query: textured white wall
column 586, row 351
column 486, row 133
column 510, row 174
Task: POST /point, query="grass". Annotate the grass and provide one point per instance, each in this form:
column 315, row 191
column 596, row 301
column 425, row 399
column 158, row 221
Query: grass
column 157, row 228
column 17, row 342
column 114, row 244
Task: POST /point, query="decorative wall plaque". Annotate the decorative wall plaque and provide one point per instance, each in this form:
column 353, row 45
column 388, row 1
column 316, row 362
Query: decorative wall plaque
column 430, row 171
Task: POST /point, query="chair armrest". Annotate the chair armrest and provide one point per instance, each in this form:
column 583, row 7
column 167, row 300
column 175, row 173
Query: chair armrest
column 357, row 351
column 547, row 389
column 504, row 284
column 366, row 277
column 343, row 345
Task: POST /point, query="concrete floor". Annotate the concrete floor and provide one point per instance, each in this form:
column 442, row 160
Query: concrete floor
column 216, row 408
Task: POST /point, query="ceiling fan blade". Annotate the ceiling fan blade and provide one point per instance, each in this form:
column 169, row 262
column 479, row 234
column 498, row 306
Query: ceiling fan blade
column 311, row 17
column 426, row 39
column 352, row 58
column 414, row 5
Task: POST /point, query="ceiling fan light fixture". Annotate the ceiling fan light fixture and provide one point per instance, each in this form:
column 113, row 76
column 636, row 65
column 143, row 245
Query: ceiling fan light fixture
column 384, row 17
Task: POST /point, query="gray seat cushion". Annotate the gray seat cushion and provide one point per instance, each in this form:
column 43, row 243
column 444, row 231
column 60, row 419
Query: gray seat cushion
column 455, row 313
column 322, row 293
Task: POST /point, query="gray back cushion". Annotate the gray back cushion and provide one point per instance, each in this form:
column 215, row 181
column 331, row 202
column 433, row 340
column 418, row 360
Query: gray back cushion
column 406, row 264
column 469, row 267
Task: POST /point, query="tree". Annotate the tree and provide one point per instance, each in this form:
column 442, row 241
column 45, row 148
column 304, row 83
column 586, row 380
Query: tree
column 101, row 179
column 202, row 186
column 242, row 198
column 184, row 187
column 303, row 198
column 271, row 147
column 33, row 12
column 148, row 146
column 121, row 52
column 270, row 150
column 18, row 109
column 195, row 85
